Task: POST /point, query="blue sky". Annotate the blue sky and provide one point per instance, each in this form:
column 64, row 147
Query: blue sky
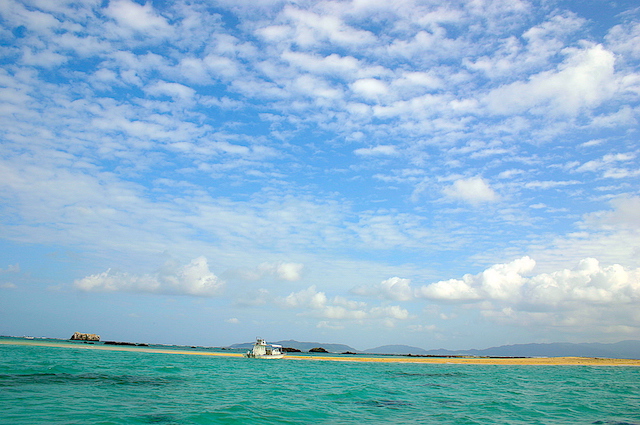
column 457, row 174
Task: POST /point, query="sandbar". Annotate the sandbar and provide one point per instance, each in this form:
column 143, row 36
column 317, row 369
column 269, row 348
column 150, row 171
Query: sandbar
column 526, row 361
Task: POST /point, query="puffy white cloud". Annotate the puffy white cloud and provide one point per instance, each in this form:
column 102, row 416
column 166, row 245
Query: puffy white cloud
column 174, row 90
column 625, row 39
column 370, row 88
column 306, row 298
column 395, row 288
column 390, row 312
column 587, row 283
column 380, row 150
column 583, row 81
column 311, row 28
column 474, row 190
column 138, row 17
column 450, row 290
column 280, row 270
column 289, row 271
column 316, row 303
column 194, row 279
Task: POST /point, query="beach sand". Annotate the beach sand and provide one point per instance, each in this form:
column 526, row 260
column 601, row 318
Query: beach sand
column 529, row 361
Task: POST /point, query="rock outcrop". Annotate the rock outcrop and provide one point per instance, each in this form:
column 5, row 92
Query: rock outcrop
column 77, row 336
column 318, row 350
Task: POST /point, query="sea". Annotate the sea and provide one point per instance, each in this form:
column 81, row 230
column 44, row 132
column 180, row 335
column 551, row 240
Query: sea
column 64, row 384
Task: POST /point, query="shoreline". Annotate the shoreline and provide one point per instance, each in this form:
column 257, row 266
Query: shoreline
column 497, row 361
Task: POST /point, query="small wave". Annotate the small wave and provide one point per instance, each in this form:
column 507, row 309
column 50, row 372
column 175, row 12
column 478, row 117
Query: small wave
column 82, row 379
column 385, row 403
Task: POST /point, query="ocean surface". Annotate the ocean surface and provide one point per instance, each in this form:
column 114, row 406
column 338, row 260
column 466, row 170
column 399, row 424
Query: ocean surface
column 56, row 385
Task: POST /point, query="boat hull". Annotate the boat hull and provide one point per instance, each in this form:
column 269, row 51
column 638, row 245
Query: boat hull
column 264, row 356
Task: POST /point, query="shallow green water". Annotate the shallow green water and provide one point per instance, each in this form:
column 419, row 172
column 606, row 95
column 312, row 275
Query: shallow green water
column 44, row 385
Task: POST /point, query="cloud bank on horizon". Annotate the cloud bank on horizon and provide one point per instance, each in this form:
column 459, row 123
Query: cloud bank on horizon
column 424, row 172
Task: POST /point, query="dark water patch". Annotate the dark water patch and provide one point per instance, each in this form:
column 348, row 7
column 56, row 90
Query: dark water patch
column 614, row 423
column 432, row 375
column 431, row 384
column 392, row 404
column 160, row 418
column 93, row 379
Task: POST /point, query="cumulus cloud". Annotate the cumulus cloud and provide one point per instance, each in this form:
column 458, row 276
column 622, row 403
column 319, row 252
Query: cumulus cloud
column 395, row 288
column 584, row 80
column 138, row 17
column 174, row 90
column 287, row 271
column 370, row 88
column 474, row 190
column 587, row 283
column 316, row 303
column 193, row 279
column 380, row 150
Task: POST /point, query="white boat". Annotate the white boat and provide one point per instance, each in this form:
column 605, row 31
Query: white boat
column 262, row 350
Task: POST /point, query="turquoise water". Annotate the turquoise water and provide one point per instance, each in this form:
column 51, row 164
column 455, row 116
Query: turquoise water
column 45, row 385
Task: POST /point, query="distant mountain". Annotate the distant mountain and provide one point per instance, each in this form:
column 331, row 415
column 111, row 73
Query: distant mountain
column 396, row 349
column 303, row 346
column 619, row 350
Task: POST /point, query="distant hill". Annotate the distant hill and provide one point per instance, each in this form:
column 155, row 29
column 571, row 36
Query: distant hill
column 303, row 346
column 396, row 349
column 619, row 350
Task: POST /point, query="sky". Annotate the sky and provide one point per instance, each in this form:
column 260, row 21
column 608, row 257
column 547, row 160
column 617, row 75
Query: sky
column 442, row 174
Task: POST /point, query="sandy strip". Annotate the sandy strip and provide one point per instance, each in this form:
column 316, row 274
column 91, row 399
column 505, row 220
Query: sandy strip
column 529, row 361
column 532, row 361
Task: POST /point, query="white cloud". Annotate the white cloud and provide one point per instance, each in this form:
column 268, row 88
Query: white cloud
column 287, row 271
column 587, row 283
column 380, row 150
column 390, row 312
column 625, row 215
column 625, row 39
column 174, row 90
column 474, row 190
column 498, row 282
column 310, row 28
column 138, row 17
column 451, row 290
column 11, row 268
column 316, row 303
column 191, row 279
column 279, row 270
column 583, row 81
column 606, row 162
column 395, row 288
column 370, row 88
column 306, row 298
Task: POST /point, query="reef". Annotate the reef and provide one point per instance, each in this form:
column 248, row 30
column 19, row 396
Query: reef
column 78, row 336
